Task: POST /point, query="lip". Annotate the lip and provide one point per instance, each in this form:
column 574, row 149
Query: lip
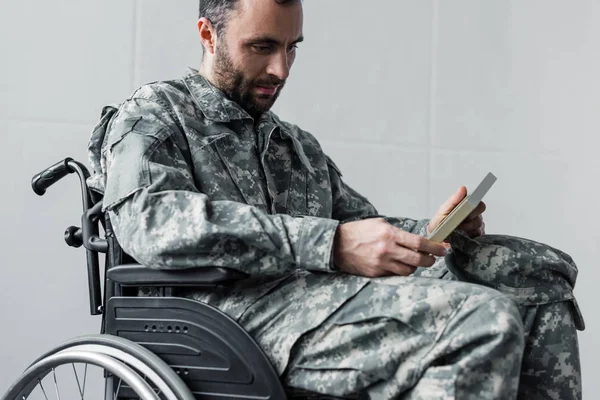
column 270, row 90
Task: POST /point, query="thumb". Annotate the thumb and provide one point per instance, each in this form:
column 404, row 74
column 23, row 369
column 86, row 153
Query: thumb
column 454, row 200
column 446, row 208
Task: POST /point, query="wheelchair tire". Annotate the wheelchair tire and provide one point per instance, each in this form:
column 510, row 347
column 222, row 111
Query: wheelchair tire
column 144, row 362
column 142, row 369
column 164, row 372
column 32, row 377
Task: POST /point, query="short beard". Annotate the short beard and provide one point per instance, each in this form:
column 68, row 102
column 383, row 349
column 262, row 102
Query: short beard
column 236, row 87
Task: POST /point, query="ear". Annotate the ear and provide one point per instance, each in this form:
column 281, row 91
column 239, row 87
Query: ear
column 208, row 35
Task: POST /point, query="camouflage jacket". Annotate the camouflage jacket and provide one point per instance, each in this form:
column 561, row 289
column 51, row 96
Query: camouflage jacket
column 190, row 179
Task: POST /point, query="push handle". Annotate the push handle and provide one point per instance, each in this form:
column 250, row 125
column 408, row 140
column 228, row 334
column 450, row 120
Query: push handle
column 88, row 234
column 42, row 181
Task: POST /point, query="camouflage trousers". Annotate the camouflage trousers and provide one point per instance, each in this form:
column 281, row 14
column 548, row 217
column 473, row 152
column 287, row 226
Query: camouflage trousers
column 434, row 336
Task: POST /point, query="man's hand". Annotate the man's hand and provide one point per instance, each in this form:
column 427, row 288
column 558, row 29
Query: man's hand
column 473, row 225
column 373, row 247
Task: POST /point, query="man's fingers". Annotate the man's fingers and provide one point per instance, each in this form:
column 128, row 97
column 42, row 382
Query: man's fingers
column 474, row 228
column 399, row 268
column 418, row 243
column 456, row 198
column 447, row 207
column 472, row 225
column 480, row 230
column 429, row 247
column 477, row 211
column 413, row 258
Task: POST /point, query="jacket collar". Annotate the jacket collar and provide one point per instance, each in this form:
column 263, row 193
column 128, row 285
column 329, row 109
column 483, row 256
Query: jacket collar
column 212, row 102
column 218, row 108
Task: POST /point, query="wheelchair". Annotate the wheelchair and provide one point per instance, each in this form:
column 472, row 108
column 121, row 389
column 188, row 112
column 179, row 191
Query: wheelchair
column 164, row 347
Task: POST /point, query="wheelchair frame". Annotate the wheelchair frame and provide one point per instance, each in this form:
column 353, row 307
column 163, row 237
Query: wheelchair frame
column 176, row 337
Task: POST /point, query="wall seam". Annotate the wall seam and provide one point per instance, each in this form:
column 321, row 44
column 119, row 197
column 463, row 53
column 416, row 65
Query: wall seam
column 135, row 43
column 432, row 108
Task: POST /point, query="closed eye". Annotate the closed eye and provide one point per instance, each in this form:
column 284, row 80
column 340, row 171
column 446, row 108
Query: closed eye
column 261, row 49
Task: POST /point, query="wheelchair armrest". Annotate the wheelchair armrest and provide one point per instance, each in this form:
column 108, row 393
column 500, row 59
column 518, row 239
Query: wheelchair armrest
column 140, row 275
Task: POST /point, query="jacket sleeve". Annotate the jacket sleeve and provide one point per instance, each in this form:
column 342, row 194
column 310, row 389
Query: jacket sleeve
column 163, row 221
column 349, row 205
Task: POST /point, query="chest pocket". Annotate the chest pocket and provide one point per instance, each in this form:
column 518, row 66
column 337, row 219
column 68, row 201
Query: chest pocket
column 310, row 191
column 296, row 193
column 210, row 173
column 226, row 167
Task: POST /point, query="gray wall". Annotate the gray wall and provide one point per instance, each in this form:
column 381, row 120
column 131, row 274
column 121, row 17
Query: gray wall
column 410, row 98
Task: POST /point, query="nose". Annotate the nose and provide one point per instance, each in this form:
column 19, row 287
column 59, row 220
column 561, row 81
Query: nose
column 279, row 66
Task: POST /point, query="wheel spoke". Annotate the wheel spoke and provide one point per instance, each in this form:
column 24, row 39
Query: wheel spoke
column 113, row 367
column 55, row 384
column 77, row 379
column 118, row 387
column 43, row 391
column 84, row 380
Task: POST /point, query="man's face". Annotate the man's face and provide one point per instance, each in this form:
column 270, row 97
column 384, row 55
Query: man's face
column 254, row 55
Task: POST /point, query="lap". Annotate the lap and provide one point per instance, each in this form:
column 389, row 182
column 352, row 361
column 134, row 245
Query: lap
column 386, row 330
column 306, row 301
column 391, row 324
column 334, row 322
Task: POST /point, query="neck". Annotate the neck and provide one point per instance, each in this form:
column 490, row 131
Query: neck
column 207, row 72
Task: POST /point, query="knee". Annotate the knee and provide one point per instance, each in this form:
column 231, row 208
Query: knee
column 531, row 272
column 505, row 312
column 502, row 319
column 494, row 314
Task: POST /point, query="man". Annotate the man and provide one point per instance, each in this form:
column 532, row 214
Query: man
column 199, row 172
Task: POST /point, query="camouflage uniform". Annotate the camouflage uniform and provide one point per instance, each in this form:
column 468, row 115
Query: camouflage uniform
column 189, row 179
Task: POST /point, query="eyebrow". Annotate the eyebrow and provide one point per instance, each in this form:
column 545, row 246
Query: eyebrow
column 270, row 40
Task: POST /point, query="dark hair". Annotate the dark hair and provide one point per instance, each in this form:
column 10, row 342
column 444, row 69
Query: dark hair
column 217, row 11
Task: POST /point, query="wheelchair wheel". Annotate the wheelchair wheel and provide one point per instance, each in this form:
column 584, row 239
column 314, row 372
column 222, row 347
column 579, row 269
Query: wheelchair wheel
column 108, row 363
